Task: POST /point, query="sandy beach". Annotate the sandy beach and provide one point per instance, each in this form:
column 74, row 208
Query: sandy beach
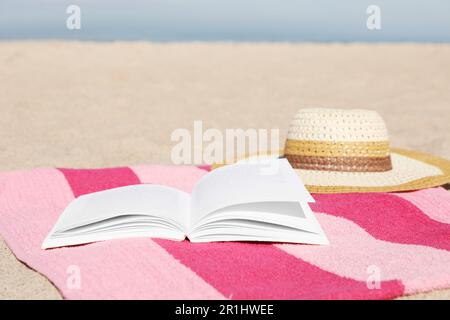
column 87, row 105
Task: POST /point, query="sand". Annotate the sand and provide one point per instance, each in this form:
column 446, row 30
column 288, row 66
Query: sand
column 72, row 104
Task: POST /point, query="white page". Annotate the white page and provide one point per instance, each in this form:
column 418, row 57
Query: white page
column 289, row 214
column 247, row 183
column 143, row 199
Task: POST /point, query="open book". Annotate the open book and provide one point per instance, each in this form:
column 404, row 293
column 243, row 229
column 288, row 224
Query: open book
column 263, row 201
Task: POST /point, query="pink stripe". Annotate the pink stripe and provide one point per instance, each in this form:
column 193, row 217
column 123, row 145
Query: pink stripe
column 262, row 271
column 434, row 202
column 355, row 254
column 30, row 203
column 386, row 217
column 255, row 271
column 132, row 268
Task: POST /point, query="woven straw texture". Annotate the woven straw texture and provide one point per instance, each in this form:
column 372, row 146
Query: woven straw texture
column 324, row 124
column 337, row 149
column 415, row 184
column 324, row 139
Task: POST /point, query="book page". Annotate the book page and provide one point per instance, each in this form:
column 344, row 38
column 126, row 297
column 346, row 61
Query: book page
column 145, row 199
column 247, row 183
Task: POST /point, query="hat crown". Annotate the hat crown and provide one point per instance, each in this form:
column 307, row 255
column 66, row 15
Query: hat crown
column 338, row 140
column 324, row 124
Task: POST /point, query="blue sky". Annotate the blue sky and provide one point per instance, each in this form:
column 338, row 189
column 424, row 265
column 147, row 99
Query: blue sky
column 227, row 20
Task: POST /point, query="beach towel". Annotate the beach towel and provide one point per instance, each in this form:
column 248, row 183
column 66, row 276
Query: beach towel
column 383, row 245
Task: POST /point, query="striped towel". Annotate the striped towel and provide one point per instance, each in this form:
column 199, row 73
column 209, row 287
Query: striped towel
column 382, row 245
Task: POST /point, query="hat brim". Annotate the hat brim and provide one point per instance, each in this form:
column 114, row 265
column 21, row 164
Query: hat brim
column 411, row 170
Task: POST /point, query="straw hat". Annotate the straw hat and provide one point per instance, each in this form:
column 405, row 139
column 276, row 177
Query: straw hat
column 337, row 151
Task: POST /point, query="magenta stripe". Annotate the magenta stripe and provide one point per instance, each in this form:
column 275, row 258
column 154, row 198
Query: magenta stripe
column 205, row 167
column 386, row 217
column 84, row 181
column 262, row 271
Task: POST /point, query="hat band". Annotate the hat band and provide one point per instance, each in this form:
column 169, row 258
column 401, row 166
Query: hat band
column 347, row 164
column 376, row 149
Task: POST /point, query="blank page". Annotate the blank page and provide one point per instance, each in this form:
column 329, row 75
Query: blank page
column 247, row 183
column 145, row 199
